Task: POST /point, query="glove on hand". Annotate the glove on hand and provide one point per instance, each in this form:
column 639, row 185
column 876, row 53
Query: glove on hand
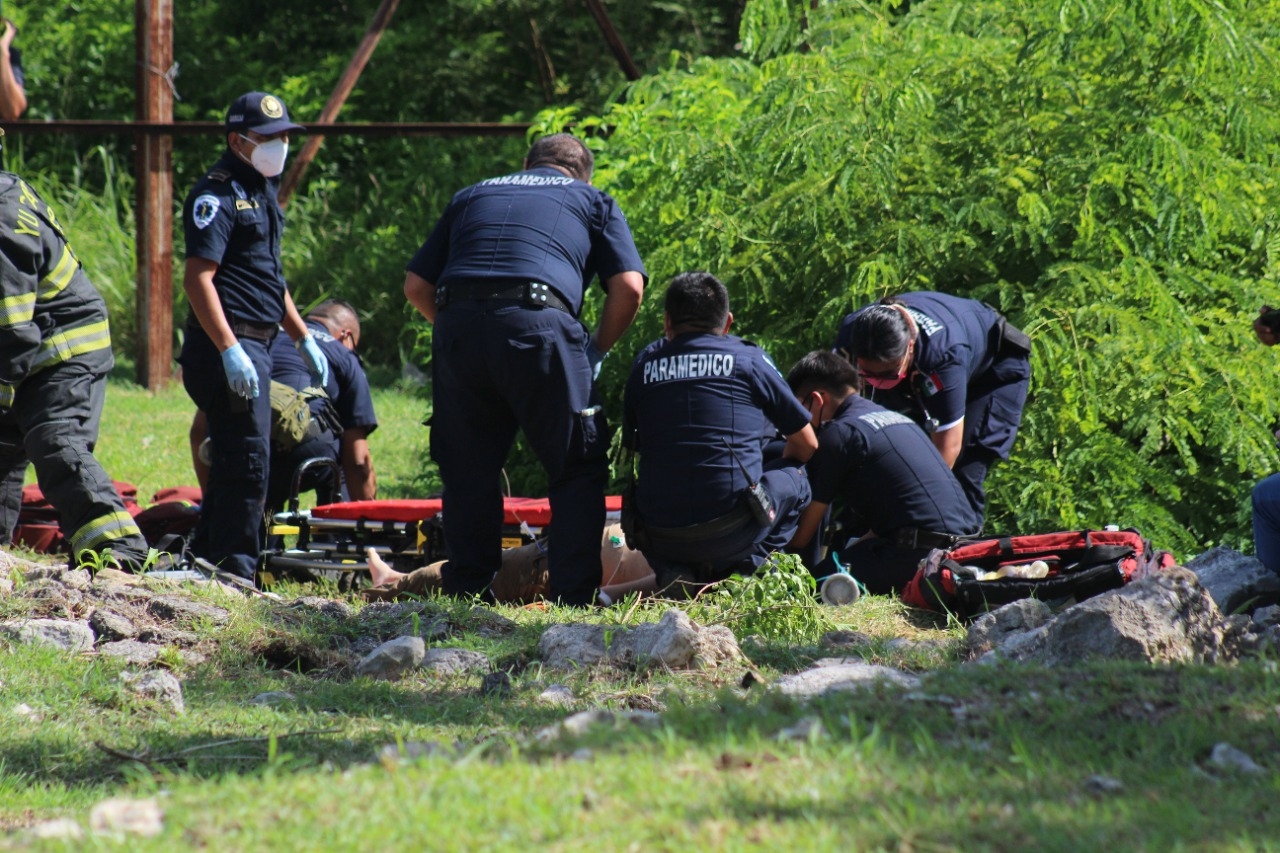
column 242, row 376
column 315, row 359
column 594, row 357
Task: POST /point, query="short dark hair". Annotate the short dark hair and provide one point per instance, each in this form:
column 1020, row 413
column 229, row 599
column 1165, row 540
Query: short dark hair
column 823, row 370
column 697, row 301
column 564, row 150
column 338, row 312
column 880, row 332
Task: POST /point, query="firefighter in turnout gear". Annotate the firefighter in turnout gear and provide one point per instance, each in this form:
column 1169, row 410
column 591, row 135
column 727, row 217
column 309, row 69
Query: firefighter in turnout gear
column 55, row 353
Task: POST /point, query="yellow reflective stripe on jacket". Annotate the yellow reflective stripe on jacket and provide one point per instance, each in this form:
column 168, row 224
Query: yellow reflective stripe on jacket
column 107, row 528
column 7, row 393
column 65, row 345
column 57, row 280
column 15, row 310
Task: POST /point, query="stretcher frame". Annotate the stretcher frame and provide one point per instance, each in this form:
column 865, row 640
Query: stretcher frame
column 330, row 541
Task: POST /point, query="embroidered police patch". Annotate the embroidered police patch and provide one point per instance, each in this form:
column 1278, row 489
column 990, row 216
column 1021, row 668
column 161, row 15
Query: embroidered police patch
column 271, row 107
column 204, row 210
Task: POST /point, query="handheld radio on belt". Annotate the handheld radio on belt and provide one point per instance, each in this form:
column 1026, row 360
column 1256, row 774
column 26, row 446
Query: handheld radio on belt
column 757, row 497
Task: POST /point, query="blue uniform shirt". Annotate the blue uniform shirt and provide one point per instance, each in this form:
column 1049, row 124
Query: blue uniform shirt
column 882, row 468
column 348, row 387
column 536, row 225
column 684, row 400
column 232, row 217
column 955, row 347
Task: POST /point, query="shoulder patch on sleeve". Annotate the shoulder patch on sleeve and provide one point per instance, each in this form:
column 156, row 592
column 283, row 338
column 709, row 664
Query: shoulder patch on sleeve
column 204, row 209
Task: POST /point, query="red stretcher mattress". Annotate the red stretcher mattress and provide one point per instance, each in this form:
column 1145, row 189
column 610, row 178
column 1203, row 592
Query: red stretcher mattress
column 535, row 511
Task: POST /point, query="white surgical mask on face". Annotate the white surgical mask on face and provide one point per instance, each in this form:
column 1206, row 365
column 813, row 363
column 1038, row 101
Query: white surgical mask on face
column 268, row 157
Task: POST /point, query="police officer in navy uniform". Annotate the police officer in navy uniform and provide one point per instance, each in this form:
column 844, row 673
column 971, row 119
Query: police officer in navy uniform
column 697, row 406
column 954, row 366
column 235, row 284
column 55, row 354
column 503, row 276
column 894, row 494
column 343, row 418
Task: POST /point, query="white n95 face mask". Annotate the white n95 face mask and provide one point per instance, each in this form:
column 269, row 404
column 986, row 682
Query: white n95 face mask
column 268, row 157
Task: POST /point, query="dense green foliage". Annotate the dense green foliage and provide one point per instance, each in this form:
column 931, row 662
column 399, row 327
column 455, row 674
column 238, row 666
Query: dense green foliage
column 367, row 204
column 1101, row 170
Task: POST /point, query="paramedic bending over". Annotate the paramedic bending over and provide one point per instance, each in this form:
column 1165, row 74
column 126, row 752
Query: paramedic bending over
column 503, row 276
column 952, row 365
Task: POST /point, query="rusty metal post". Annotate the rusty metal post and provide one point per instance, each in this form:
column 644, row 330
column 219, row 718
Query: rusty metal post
column 615, row 41
column 339, row 97
column 154, row 200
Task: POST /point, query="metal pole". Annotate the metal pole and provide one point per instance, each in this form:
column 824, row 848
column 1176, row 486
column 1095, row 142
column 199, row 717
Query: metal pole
column 339, row 97
column 154, row 207
column 615, row 41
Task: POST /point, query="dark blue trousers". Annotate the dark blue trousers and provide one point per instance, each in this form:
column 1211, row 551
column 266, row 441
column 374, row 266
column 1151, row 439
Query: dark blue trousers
column 230, row 531
column 743, row 550
column 993, row 413
column 496, row 368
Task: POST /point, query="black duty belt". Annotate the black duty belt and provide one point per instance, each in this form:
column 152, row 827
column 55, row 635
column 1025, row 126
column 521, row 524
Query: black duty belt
column 264, row 332
column 531, row 294
column 913, row 537
column 736, row 519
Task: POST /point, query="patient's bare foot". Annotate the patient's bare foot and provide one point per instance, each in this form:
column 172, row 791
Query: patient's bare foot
column 379, row 572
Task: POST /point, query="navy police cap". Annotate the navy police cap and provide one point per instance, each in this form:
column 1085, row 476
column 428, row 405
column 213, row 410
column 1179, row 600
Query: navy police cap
column 261, row 113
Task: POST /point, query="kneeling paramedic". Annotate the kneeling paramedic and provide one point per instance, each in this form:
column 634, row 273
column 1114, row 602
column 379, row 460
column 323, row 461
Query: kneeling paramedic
column 696, row 408
column 895, row 494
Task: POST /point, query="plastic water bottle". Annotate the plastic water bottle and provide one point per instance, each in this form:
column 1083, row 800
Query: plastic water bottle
column 839, row 589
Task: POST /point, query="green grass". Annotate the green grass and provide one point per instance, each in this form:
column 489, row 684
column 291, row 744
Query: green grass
column 143, row 440
column 989, row 758
column 979, row 758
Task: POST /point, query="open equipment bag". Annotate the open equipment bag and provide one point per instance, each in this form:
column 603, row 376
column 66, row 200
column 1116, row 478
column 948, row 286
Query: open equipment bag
column 1080, row 564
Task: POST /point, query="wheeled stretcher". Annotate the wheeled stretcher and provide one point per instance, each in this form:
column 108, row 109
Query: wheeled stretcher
column 407, row 534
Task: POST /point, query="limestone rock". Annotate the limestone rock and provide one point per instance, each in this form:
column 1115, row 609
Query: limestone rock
column 110, row 626
column 1234, row 580
column 1167, row 617
column 393, row 658
column 571, row 646
column 60, row 829
column 133, row 652
column 455, row 662
column 1226, row 757
column 674, row 642
column 835, row 677
column 127, row 817
column 990, row 629
column 160, row 685
column 176, row 609
column 326, row 606
column 557, row 695
column 60, row 633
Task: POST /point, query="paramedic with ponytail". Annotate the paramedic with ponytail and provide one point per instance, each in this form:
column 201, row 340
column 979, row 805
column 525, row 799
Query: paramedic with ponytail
column 234, row 281
column 952, row 365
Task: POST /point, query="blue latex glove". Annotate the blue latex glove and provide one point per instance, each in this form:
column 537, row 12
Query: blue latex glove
column 594, row 357
column 315, row 359
column 242, row 376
